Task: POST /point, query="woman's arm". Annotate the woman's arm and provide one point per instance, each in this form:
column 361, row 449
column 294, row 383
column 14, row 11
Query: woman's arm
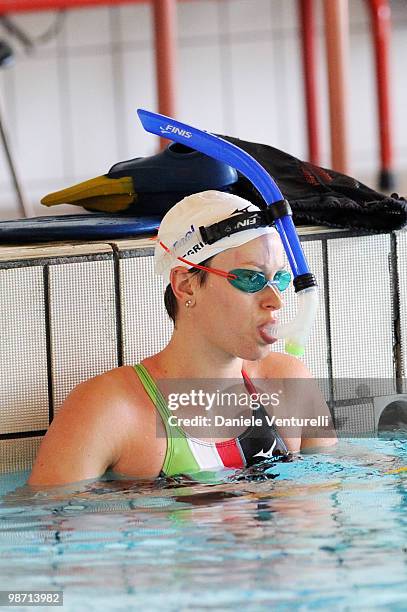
column 311, row 405
column 301, row 399
column 84, row 438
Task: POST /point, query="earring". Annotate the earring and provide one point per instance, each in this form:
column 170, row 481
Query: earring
column 188, row 303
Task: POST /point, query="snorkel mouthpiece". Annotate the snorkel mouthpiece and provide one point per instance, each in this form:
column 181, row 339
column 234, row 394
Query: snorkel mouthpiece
column 297, row 331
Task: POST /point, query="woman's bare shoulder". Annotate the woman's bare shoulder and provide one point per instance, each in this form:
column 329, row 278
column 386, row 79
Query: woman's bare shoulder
column 103, row 419
column 143, row 444
column 282, row 365
column 121, row 378
column 118, row 389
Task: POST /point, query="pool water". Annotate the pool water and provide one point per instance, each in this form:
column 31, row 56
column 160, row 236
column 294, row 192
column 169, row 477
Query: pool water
column 324, row 532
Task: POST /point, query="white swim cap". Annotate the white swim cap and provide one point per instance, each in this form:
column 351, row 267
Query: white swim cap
column 179, row 229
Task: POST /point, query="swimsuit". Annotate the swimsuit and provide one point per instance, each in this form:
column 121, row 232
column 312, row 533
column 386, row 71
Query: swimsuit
column 187, row 455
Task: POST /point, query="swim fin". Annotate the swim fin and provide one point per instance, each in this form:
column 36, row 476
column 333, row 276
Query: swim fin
column 148, row 185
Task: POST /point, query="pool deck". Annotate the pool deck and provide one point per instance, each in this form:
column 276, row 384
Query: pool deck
column 14, row 252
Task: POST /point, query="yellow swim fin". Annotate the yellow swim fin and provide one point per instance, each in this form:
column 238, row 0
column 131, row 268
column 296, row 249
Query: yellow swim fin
column 102, row 194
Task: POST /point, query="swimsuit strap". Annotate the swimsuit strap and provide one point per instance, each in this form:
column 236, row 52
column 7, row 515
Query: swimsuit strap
column 153, row 392
column 179, row 457
column 159, row 402
column 248, row 383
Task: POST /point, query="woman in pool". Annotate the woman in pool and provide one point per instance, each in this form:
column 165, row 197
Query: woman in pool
column 120, row 421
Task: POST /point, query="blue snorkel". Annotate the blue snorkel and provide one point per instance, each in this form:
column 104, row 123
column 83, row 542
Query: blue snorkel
column 297, row 331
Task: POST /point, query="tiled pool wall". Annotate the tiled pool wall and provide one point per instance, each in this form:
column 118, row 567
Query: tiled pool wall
column 70, row 312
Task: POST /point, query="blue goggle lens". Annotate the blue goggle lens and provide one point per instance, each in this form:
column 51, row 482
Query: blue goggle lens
column 251, row 281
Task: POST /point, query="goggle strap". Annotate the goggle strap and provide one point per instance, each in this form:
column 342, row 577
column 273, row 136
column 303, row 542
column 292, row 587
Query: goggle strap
column 190, row 263
column 238, row 223
column 249, row 220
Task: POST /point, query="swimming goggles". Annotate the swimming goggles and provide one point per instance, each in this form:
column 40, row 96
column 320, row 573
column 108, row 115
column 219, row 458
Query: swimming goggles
column 251, row 281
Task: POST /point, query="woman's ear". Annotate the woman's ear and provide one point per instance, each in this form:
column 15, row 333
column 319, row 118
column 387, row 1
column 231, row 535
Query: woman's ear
column 182, row 283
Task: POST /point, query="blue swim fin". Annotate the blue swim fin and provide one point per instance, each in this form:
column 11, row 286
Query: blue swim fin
column 148, row 185
column 177, row 168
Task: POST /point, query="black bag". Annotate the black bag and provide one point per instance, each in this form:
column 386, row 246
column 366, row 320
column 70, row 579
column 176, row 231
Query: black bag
column 319, row 196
